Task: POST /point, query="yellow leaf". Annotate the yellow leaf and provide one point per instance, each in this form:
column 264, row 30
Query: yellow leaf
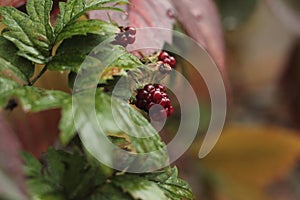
column 254, row 156
column 231, row 190
column 2, row 26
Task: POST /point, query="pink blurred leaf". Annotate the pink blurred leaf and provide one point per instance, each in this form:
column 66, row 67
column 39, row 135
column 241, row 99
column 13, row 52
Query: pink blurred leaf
column 15, row 3
column 201, row 21
column 287, row 14
column 143, row 14
column 12, row 182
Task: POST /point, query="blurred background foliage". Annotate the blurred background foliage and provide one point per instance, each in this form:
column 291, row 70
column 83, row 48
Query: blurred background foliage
column 257, row 156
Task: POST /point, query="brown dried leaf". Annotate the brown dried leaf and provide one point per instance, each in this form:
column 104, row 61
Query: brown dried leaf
column 254, row 156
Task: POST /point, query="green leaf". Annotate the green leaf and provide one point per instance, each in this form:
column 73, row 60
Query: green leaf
column 32, row 98
column 39, row 12
column 87, row 26
column 31, row 33
column 13, row 65
column 63, row 176
column 32, row 167
column 125, row 122
column 169, row 182
column 71, row 54
column 55, row 166
column 73, row 9
column 110, row 192
column 157, row 185
column 6, row 86
column 66, row 124
column 71, row 175
column 139, row 187
column 127, row 61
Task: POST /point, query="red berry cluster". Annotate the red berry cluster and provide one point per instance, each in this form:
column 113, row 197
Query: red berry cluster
column 126, row 36
column 151, row 95
column 167, row 59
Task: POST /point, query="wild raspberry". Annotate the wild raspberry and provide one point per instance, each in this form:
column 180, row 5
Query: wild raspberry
column 130, row 30
column 130, row 39
column 126, row 36
column 149, row 87
column 156, row 96
column 160, row 87
column 167, row 59
column 151, row 95
column 163, row 55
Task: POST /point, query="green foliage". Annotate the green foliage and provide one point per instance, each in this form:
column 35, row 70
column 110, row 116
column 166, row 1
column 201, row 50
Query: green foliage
column 13, row 65
column 33, row 33
column 73, row 176
column 74, row 51
column 30, row 33
column 32, row 98
column 87, row 26
column 71, row 173
column 73, row 9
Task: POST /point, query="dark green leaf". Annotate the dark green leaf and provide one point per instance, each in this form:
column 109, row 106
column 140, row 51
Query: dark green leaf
column 123, row 120
column 32, row 98
column 35, row 99
column 32, row 166
column 6, row 85
column 55, row 166
column 39, row 12
column 71, row 54
column 66, row 124
column 73, row 9
column 127, row 61
column 32, row 33
column 169, row 182
column 84, row 27
column 64, row 176
column 13, row 65
column 139, row 188
column 110, row 192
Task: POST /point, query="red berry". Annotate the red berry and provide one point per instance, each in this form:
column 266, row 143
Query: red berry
column 172, row 62
column 141, row 104
column 163, row 55
column 121, row 39
column 130, row 30
column 160, row 87
column 149, row 88
column 168, row 102
column 153, row 94
column 142, row 94
column 164, row 94
column 167, row 61
column 130, row 39
column 156, row 96
column 148, row 98
column 164, row 102
column 170, row 110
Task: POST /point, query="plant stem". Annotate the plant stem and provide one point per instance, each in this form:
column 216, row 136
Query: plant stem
column 38, row 76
